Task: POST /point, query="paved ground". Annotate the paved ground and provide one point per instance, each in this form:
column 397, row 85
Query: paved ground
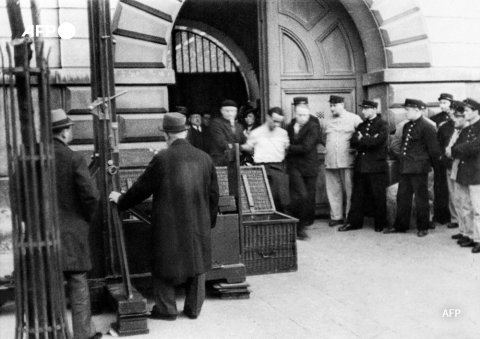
column 358, row 284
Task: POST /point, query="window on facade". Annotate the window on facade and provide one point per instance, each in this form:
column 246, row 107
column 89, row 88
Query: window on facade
column 197, row 53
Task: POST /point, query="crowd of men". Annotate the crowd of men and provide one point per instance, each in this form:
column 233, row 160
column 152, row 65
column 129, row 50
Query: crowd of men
column 183, row 182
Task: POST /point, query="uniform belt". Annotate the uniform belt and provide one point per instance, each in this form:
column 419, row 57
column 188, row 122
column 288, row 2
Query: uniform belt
column 268, row 163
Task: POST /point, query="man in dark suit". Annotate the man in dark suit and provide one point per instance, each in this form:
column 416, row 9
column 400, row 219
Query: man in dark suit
column 467, row 151
column 225, row 131
column 184, row 185
column 370, row 141
column 302, row 165
column 77, row 203
column 445, row 132
column 441, row 212
column 197, row 134
column 418, row 151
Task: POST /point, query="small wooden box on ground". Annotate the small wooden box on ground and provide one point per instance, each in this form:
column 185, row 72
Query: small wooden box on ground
column 269, row 236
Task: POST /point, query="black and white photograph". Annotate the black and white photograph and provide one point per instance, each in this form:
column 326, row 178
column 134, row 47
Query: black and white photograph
column 274, row 169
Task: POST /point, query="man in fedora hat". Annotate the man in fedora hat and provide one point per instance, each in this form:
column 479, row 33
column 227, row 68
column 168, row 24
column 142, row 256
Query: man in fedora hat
column 184, row 185
column 467, row 150
column 370, row 141
column 225, row 131
column 419, row 150
column 77, row 203
column 339, row 158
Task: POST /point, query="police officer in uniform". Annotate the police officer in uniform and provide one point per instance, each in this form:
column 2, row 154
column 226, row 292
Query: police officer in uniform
column 370, row 140
column 467, row 150
column 418, row 152
column 441, row 212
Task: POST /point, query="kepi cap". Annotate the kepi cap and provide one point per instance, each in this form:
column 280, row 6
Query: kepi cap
column 174, row 123
column 60, row 119
column 446, row 96
column 472, row 104
column 300, row 101
column 414, row 103
column 369, row 104
column 335, row 99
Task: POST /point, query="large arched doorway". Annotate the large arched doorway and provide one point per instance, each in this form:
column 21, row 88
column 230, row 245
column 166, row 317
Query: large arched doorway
column 206, row 72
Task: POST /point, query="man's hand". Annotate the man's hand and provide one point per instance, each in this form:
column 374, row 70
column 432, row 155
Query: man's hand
column 114, row 196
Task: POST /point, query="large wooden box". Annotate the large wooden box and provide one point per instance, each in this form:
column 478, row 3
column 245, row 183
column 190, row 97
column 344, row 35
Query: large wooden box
column 269, row 236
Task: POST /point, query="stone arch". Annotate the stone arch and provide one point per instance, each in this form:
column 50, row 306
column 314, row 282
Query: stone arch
column 381, row 25
column 245, row 67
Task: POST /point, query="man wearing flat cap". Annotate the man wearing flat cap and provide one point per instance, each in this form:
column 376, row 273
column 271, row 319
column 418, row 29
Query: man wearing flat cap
column 441, row 212
column 302, row 165
column 419, row 150
column 370, row 141
column 225, row 132
column 77, row 203
column 339, row 159
column 184, row 185
column 455, row 189
column 443, row 184
column 467, row 150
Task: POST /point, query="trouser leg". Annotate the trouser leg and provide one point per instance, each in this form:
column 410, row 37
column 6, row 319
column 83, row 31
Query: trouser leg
column 404, row 203
column 441, row 211
column 378, row 185
column 475, row 199
column 347, row 183
column 356, row 214
column 451, row 198
column 420, row 188
column 333, row 184
column 465, row 212
column 195, row 295
column 164, row 296
column 311, row 185
column 82, row 324
column 298, row 195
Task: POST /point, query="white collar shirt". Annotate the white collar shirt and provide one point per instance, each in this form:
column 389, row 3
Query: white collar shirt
column 268, row 146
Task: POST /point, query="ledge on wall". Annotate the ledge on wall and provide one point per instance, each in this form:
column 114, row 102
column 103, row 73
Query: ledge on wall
column 402, row 75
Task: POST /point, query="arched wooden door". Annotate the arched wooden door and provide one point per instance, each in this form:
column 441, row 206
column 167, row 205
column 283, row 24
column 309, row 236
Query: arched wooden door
column 314, row 50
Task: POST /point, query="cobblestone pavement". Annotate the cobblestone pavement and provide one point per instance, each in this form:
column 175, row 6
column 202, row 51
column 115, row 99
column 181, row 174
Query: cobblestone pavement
column 358, row 284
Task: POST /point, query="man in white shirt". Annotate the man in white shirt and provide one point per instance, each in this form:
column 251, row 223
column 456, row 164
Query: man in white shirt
column 268, row 143
column 339, row 158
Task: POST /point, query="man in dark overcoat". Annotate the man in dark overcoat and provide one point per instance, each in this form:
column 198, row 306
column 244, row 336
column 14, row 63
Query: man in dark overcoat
column 302, row 165
column 467, row 150
column 370, row 167
column 77, row 203
column 224, row 132
column 418, row 151
column 184, row 185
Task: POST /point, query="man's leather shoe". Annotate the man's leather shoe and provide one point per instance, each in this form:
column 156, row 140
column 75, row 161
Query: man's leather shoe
column 457, row 236
column 393, row 230
column 432, row 225
column 378, row 229
column 302, row 235
column 422, row 233
column 348, row 227
column 189, row 314
column 154, row 314
column 97, row 335
column 476, row 248
column 464, row 239
column 469, row 243
column 335, row 223
column 452, row 225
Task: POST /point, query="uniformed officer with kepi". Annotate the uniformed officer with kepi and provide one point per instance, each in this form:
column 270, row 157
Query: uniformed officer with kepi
column 370, row 141
column 418, row 151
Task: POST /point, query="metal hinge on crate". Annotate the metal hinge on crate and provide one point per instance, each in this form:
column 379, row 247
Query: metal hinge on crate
column 251, row 203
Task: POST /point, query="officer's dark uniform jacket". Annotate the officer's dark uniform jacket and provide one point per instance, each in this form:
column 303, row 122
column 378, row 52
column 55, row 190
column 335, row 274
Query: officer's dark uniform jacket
column 440, row 118
column 372, row 150
column 444, row 134
column 420, row 147
column 467, row 150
